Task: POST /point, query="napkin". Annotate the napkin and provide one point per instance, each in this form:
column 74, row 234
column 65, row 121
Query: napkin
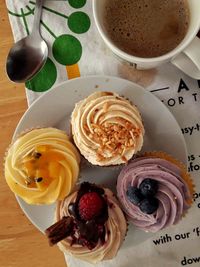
column 76, row 49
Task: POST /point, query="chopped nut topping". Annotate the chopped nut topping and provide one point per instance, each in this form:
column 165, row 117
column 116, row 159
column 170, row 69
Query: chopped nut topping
column 86, row 128
column 124, row 159
column 114, row 138
column 100, row 157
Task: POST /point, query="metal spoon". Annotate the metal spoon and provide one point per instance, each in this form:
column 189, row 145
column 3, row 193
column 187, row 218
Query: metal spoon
column 28, row 55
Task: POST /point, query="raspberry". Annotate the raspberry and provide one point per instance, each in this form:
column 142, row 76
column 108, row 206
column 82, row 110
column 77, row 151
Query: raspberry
column 90, row 205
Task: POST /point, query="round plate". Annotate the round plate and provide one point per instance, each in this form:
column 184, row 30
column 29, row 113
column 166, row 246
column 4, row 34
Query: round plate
column 54, row 108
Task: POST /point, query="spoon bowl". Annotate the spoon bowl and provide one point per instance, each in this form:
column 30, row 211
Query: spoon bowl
column 28, row 56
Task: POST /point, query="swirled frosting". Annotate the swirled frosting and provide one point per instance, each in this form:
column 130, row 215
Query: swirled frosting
column 107, row 129
column 42, row 166
column 115, row 231
column 173, row 192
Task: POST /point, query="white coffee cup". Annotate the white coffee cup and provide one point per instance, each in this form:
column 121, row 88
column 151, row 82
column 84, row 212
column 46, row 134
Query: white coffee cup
column 186, row 56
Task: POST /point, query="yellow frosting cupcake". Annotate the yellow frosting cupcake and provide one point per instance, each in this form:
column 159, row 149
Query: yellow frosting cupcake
column 42, row 166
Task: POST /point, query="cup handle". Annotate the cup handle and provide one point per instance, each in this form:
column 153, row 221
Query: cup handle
column 189, row 60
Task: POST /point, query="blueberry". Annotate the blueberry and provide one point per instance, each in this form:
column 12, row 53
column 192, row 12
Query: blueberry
column 134, row 195
column 149, row 205
column 149, row 187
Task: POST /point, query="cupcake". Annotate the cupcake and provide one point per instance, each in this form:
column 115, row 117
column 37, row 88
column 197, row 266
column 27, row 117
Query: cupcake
column 42, row 166
column 89, row 224
column 155, row 191
column 107, row 129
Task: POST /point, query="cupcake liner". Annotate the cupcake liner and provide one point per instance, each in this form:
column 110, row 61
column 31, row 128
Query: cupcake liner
column 184, row 174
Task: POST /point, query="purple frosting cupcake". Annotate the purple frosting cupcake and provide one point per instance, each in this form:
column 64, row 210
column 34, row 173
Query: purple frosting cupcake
column 155, row 191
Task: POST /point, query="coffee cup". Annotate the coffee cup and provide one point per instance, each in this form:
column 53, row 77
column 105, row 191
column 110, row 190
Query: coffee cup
column 185, row 56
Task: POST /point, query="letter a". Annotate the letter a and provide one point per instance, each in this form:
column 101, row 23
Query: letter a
column 182, row 85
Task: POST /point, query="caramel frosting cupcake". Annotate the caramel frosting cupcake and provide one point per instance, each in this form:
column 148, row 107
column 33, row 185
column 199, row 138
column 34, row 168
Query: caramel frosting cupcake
column 89, row 224
column 42, row 166
column 155, row 191
column 107, row 129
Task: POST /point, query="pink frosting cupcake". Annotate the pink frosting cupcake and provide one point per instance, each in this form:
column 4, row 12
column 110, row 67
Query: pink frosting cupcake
column 90, row 225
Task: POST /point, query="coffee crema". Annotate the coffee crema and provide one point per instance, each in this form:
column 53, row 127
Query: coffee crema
column 146, row 28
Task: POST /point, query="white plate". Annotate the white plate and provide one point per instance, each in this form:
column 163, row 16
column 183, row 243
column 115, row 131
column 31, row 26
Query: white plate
column 162, row 132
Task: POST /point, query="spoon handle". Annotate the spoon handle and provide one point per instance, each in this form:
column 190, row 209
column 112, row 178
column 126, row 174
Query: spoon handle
column 37, row 16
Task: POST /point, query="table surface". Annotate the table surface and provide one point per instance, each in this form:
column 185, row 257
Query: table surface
column 21, row 244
